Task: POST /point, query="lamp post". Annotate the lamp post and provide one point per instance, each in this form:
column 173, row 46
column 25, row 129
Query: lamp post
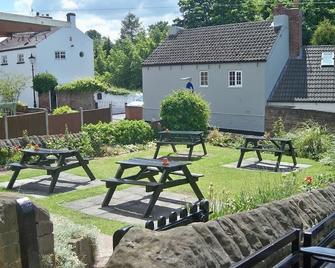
column 32, row 60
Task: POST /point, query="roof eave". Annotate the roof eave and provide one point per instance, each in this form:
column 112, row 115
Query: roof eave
column 16, row 48
column 197, row 63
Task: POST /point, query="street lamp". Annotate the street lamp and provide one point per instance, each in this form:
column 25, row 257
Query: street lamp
column 32, row 60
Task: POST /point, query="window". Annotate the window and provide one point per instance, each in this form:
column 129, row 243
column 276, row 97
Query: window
column 4, row 60
column 99, row 96
column 235, row 79
column 59, row 55
column 20, row 58
column 327, row 59
column 204, row 79
column 81, row 54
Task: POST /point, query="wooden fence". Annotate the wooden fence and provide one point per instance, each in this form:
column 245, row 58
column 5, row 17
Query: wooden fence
column 42, row 123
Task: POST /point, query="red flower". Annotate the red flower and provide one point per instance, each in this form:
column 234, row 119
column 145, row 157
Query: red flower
column 309, row 179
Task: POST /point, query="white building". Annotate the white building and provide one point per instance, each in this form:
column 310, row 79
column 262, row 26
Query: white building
column 65, row 52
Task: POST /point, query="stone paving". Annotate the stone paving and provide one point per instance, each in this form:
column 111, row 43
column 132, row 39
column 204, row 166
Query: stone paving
column 39, row 186
column 267, row 165
column 130, row 204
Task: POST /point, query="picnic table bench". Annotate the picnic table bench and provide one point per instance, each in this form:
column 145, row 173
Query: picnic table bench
column 170, row 175
column 173, row 138
column 52, row 160
column 279, row 146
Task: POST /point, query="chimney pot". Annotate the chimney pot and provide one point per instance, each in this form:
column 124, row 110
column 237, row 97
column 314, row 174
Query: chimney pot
column 71, row 17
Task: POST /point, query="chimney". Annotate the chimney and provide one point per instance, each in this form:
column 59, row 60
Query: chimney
column 174, row 30
column 295, row 26
column 71, row 17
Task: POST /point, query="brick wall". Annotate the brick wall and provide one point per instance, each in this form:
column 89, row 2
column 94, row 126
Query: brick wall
column 134, row 112
column 43, row 100
column 292, row 117
column 76, row 100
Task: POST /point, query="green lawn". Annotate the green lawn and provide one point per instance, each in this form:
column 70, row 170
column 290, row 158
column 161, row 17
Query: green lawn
column 233, row 180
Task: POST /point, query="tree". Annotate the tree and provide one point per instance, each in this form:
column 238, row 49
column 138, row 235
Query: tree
column 11, row 87
column 158, row 31
column 324, row 34
column 93, row 34
column 44, row 82
column 130, row 27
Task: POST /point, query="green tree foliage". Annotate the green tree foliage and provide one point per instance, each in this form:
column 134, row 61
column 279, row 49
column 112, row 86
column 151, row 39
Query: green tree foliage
column 44, row 82
column 184, row 110
column 11, row 87
column 130, row 27
column 158, row 31
column 324, row 34
column 94, row 34
column 83, row 85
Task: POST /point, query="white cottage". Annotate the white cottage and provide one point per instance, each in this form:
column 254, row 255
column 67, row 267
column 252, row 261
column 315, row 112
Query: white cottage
column 234, row 66
column 65, row 52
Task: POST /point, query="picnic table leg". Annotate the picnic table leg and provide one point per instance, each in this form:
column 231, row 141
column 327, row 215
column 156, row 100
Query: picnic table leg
column 292, row 152
column 85, row 167
column 174, row 148
column 203, row 147
column 258, row 152
column 190, row 153
column 241, row 158
column 109, row 195
column 13, row 178
column 153, row 200
column 54, row 175
column 193, row 184
column 278, row 162
column 157, row 150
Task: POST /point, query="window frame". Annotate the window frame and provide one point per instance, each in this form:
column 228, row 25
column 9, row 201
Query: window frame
column 4, row 60
column 200, row 78
column 20, row 60
column 235, row 79
column 60, row 55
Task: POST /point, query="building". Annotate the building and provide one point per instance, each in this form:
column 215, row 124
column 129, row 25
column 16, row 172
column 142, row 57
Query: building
column 235, row 67
column 63, row 51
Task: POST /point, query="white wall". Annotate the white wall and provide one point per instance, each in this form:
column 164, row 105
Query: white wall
column 73, row 67
column 232, row 108
column 20, row 69
column 117, row 101
column 278, row 55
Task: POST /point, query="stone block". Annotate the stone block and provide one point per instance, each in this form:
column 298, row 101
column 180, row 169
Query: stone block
column 46, row 244
column 9, row 254
column 9, row 238
column 44, row 228
column 84, row 249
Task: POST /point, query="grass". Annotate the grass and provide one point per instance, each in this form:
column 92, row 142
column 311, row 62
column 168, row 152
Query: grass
column 234, row 180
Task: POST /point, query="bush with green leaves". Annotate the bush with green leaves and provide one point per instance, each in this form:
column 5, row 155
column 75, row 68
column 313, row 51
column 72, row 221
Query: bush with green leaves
column 83, row 85
column 329, row 156
column 122, row 132
column 184, row 110
column 311, row 140
column 63, row 110
column 44, row 82
column 278, row 129
column 217, row 138
column 11, row 86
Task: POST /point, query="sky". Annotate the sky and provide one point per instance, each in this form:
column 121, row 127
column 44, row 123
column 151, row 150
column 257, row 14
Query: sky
column 102, row 15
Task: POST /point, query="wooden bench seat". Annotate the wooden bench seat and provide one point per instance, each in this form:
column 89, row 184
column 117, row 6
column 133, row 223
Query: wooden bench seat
column 131, row 182
column 271, row 150
column 178, row 142
column 15, row 166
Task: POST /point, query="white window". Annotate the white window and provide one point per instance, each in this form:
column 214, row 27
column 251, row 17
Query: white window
column 204, row 78
column 327, row 59
column 4, row 60
column 59, row 55
column 235, row 79
column 20, row 58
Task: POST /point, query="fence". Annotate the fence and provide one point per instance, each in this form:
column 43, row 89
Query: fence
column 42, row 123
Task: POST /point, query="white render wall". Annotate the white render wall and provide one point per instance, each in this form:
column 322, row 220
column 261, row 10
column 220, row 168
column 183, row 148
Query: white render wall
column 72, row 68
column 20, row 69
column 232, row 108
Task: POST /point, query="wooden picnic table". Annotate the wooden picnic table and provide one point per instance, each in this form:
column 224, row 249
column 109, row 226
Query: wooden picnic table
column 148, row 169
column 52, row 160
column 257, row 144
column 173, row 138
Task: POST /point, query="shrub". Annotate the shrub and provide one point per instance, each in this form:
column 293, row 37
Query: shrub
column 84, row 85
column 329, row 157
column 122, row 132
column 278, row 129
column 217, row 138
column 63, row 110
column 11, row 86
column 44, row 82
column 311, row 140
column 184, row 110
column 65, row 231
column 9, row 155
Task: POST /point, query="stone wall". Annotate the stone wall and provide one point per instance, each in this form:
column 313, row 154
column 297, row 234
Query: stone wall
column 76, row 100
column 11, row 238
column 292, row 117
column 222, row 242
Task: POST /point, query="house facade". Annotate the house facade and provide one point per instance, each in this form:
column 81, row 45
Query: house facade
column 235, row 67
column 65, row 52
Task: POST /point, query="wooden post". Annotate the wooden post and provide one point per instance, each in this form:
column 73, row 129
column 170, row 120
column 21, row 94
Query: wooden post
column 5, row 120
column 81, row 116
column 111, row 112
column 46, row 121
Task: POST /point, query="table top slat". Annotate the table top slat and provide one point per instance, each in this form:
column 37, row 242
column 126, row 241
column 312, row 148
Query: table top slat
column 176, row 132
column 152, row 163
column 44, row 151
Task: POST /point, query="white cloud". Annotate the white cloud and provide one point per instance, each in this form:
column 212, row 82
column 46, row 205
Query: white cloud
column 23, row 6
column 69, row 4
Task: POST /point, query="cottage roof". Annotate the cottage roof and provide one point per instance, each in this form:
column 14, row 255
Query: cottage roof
column 239, row 42
column 305, row 80
column 24, row 40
